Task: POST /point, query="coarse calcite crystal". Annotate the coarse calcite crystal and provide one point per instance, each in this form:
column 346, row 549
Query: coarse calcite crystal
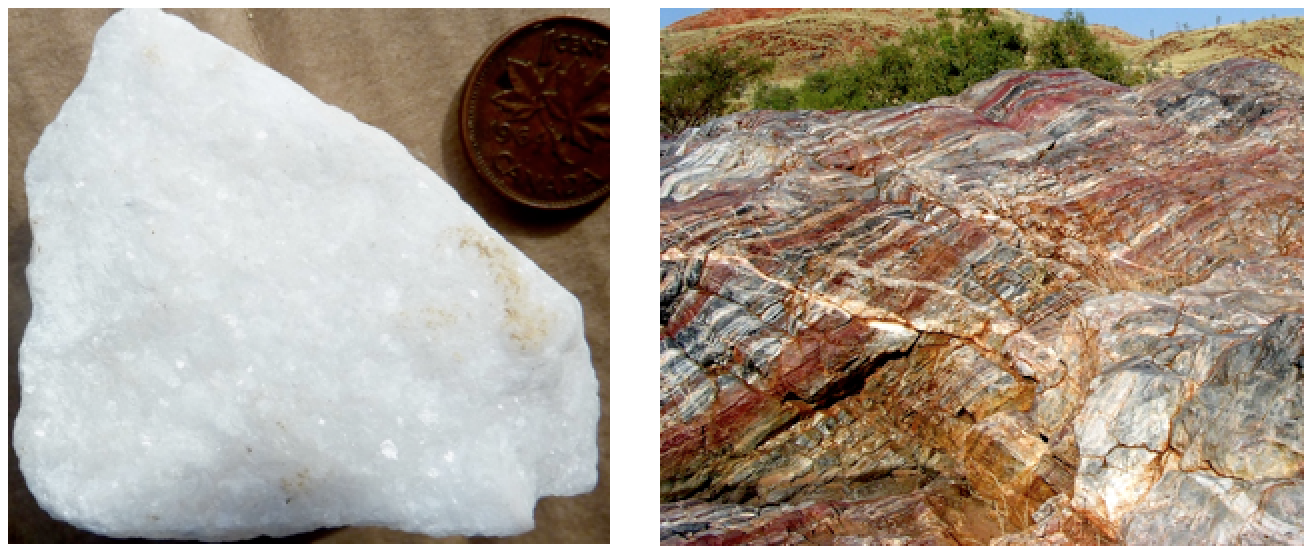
column 255, row 315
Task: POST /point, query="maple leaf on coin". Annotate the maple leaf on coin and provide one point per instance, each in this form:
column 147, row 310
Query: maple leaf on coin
column 527, row 93
column 582, row 102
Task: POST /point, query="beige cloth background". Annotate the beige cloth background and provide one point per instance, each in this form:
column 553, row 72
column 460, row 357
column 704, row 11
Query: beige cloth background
column 399, row 70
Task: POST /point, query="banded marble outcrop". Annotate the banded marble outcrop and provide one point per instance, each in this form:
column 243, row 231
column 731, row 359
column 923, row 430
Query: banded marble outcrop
column 1080, row 303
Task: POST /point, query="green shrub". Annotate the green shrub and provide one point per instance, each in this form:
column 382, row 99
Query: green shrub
column 704, row 85
column 930, row 62
column 878, row 81
column 775, row 97
column 947, row 58
column 1068, row 43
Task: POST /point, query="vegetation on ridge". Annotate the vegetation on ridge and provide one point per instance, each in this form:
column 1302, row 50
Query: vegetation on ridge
column 960, row 50
column 944, row 60
column 1069, row 43
column 705, row 85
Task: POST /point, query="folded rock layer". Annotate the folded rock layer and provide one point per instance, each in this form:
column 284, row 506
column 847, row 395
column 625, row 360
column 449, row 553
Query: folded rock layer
column 1080, row 301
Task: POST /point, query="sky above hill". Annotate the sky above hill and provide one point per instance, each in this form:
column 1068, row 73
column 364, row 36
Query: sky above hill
column 1137, row 21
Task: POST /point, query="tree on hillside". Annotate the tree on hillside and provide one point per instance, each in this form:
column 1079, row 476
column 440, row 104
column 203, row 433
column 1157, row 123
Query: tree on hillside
column 881, row 80
column 930, row 62
column 975, row 16
column 945, row 59
column 704, row 85
column 1069, row 43
column 949, row 59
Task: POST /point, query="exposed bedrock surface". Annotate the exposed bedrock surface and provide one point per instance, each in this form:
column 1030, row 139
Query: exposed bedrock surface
column 1068, row 308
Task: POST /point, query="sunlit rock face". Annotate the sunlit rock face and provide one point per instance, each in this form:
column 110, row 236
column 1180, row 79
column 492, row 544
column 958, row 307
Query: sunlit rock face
column 1082, row 302
column 938, row 514
column 255, row 315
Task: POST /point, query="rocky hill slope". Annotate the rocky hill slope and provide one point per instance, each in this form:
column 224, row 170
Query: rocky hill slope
column 1183, row 52
column 803, row 41
column 1051, row 309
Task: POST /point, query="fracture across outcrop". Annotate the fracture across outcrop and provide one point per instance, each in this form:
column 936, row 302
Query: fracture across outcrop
column 1073, row 307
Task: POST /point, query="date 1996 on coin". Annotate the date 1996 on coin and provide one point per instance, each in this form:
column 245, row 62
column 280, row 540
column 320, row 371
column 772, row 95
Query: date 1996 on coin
column 535, row 113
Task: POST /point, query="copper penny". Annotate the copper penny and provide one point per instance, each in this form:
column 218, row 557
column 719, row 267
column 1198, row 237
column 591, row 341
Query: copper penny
column 535, row 113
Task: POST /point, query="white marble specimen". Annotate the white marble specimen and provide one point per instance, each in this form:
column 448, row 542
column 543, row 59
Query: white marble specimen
column 255, row 315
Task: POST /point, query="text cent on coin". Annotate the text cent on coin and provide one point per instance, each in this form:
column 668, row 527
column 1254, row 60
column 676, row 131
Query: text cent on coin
column 535, row 113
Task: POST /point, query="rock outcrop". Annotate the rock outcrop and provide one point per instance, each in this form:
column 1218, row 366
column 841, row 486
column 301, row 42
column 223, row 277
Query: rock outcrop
column 1065, row 306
